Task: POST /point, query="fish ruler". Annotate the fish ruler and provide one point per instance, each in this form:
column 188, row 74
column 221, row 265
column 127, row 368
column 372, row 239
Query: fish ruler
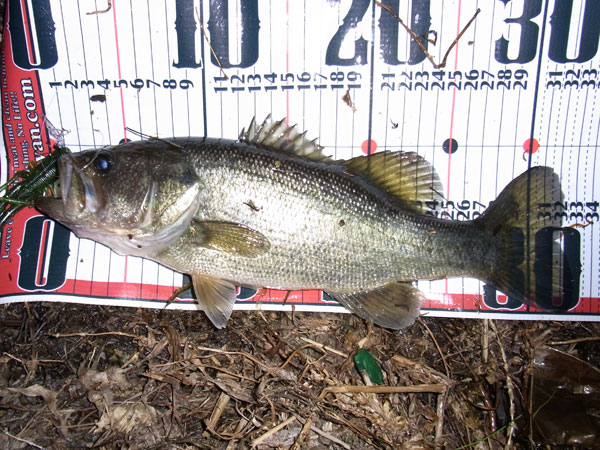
column 519, row 88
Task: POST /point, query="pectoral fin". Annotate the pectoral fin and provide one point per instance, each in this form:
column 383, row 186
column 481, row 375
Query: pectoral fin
column 229, row 238
column 395, row 305
column 216, row 297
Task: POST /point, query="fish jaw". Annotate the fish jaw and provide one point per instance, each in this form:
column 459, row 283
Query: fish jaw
column 76, row 196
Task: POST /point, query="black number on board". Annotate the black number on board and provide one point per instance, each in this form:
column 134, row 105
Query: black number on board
column 420, row 21
column 353, row 17
column 528, row 36
column 44, row 255
column 561, row 27
column 218, row 27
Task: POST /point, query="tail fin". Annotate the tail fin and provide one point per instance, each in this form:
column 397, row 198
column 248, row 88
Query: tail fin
column 533, row 267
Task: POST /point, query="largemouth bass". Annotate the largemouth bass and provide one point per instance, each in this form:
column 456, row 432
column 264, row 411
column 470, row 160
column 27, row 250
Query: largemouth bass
column 271, row 210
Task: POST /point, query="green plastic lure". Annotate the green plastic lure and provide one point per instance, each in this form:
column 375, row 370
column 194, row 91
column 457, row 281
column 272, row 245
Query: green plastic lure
column 27, row 186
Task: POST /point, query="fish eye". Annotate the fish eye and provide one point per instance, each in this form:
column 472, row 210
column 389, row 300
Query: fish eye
column 103, row 163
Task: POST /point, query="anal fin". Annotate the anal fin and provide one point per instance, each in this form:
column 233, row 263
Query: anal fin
column 216, row 297
column 394, row 305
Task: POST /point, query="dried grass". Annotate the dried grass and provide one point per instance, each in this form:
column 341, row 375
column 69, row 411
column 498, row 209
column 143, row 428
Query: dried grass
column 106, row 377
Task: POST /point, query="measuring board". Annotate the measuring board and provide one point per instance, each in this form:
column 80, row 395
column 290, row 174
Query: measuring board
column 519, row 89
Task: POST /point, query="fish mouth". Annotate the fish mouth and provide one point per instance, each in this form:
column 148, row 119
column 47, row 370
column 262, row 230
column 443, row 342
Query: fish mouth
column 73, row 195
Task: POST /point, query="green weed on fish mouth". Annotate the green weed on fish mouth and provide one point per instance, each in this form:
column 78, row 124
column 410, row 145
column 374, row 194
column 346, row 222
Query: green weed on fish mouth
column 27, row 186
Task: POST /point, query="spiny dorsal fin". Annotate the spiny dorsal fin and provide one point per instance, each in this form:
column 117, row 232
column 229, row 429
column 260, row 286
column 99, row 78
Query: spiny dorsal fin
column 279, row 136
column 404, row 174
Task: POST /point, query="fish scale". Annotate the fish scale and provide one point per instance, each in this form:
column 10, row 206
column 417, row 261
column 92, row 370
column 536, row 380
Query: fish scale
column 353, row 256
column 272, row 210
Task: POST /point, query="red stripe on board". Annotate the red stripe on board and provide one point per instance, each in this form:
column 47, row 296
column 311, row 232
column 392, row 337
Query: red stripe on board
column 42, row 255
column 114, row 10
column 452, row 111
column 452, row 301
column 453, row 99
column 287, row 59
column 28, row 32
column 162, row 293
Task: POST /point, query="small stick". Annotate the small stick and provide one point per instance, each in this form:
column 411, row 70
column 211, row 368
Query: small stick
column 405, row 362
column 418, row 41
column 439, row 349
column 102, row 11
column 273, row 430
column 330, row 437
column 212, row 50
column 575, row 341
column 509, row 388
column 176, row 293
column 439, row 410
column 217, row 411
column 25, row 441
column 531, row 385
column 485, row 338
column 273, row 370
column 324, row 347
column 303, row 434
column 153, row 138
column 106, row 333
column 436, row 388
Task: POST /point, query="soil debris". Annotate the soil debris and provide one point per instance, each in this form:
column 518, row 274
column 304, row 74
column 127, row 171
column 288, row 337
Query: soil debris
column 109, row 377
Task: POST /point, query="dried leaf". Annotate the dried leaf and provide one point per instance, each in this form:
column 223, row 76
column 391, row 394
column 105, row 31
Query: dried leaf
column 124, row 418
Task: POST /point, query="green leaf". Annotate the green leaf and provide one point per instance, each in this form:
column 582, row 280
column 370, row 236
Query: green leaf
column 366, row 363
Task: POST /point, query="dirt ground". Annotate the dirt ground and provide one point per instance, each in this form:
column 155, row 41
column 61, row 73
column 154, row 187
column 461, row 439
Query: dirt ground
column 77, row 376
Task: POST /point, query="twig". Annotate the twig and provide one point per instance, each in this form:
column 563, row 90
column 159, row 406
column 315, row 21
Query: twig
column 418, row 41
column 511, row 423
column 485, row 341
column 25, row 441
column 176, row 292
column 437, row 346
column 509, row 388
column 273, row 430
column 575, row 341
column 105, row 333
column 492, row 434
column 212, row 50
column 19, row 361
column 303, row 434
column 217, row 411
column 437, row 388
column 273, row 370
column 324, row 347
column 438, row 376
column 330, row 437
column 439, row 410
column 102, row 11
column 530, row 409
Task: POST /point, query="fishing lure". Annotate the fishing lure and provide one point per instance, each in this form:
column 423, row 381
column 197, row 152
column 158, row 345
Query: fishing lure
column 27, row 186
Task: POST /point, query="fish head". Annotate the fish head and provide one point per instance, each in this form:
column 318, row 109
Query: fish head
column 135, row 198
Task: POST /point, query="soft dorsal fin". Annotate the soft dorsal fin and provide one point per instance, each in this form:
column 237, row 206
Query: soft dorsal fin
column 406, row 175
column 279, row 136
